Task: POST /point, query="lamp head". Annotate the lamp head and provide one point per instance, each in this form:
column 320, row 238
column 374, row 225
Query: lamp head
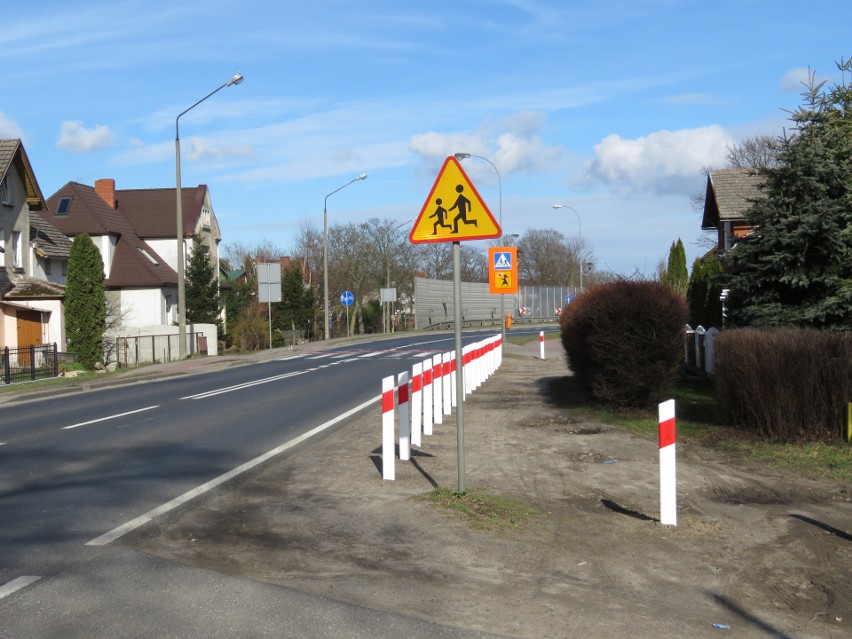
column 462, row 156
column 363, row 176
column 559, row 206
column 236, row 79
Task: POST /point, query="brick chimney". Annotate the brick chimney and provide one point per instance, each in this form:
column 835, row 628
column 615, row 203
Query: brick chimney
column 106, row 189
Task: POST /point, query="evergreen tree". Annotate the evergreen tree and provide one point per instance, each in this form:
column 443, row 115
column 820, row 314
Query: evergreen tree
column 85, row 301
column 705, row 307
column 676, row 275
column 202, row 290
column 298, row 303
column 795, row 268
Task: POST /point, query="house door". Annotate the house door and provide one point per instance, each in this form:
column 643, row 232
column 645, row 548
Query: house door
column 29, row 328
column 29, row 333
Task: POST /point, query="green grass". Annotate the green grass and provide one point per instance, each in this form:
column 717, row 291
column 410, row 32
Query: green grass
column 697, row 422
column 483, row 510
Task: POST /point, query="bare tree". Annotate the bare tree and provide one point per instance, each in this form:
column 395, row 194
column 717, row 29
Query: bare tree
column 759, row 152
column 547, row 258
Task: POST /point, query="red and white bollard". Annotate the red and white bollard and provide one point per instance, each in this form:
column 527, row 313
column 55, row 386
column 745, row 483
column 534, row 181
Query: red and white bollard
column 437, row 390
column 446, row 376
column 388, row 448
column 541, row 344
column 416, row 403
column 668, row 475
column 404, row 419
column 427, row 396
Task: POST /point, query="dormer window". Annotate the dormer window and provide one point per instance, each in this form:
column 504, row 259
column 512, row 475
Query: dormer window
column 149, row 256
column 64, row 205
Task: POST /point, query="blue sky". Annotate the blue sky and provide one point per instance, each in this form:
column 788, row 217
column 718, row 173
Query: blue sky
column 609, row 107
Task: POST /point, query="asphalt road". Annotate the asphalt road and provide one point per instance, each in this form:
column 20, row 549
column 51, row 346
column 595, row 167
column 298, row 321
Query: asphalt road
column 78, row 471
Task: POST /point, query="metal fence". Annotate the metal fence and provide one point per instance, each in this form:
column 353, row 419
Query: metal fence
column 433, row 303
column 29, row 363
column 132, row 351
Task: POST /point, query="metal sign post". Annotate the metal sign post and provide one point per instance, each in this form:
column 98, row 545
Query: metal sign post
column 346, row 298
column 269, row 289
column 457, row 313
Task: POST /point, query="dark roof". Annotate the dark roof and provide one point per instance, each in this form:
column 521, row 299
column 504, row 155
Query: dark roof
column 153, row 214
column 730, row 195
column 12, row 151
column 89, row 213
column 48, row 238
column 29, row 288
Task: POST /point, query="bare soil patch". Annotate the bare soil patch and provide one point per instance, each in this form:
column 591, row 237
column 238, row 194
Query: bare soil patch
column 757, row 551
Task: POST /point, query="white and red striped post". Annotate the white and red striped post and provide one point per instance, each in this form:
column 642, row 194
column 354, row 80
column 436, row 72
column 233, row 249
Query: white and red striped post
column 388, row 451
column 541, row 344
column 416, row 403
column 427, row 396
column 668, row 475
column 447, row 377
column 437, row 390
column 453, row 398
column 404, row 419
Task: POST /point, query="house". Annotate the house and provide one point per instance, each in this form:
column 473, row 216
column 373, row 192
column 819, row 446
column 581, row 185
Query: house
column 135, row 232
column 33, row 257
column 730, row 194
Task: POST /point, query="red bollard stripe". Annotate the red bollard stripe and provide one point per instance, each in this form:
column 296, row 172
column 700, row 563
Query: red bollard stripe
column 667, row 433
column 403, row 394
column 387, row 402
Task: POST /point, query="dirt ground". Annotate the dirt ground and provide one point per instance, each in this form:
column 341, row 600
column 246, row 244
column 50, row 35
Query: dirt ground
column 757, row 552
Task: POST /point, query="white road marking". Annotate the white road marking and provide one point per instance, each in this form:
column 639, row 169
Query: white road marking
column 133, row 524
column 369, row 354
column 103, row 419
column 231, row 389
column 16, row 584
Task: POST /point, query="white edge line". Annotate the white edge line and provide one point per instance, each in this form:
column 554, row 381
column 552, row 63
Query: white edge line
column 131, row 525
column 16, row 584
column 103, row 419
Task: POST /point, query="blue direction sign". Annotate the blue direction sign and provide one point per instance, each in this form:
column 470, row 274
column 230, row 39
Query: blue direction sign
column 346, row 298
column 567, row 299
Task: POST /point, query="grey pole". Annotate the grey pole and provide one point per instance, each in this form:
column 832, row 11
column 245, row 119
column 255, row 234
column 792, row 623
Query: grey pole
column 363, row 176
column 179, row 216
column 459, row 363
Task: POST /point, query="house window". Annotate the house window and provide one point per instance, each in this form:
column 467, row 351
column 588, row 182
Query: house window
column 4, row 192
column 64, row 204
column 47, row 266
column 17, row 253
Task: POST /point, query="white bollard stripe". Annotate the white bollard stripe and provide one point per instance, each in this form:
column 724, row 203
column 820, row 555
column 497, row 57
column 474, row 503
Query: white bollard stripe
column 446, row 376
column 388, row 461
column 541, row 344
column 404, row 419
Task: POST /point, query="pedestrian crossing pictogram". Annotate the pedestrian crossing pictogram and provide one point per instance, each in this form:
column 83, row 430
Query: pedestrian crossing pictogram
column 454, row 210
column 502, row 270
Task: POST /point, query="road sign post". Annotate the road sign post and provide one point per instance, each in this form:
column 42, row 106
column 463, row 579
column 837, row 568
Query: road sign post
column 454, row 211
column 346, row 298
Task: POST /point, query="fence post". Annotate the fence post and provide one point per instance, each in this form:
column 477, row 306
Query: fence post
column 6, row 370
column 32, row 362
column 55, row 360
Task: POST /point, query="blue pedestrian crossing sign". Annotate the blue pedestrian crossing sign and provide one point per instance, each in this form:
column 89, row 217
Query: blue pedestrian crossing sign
column 346, row 298
column 503, row 261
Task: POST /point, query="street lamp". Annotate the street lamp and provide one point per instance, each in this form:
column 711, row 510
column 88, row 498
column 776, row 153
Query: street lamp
column 180, row 265
column 462, row 156
column 580, row 224
column 363, row 176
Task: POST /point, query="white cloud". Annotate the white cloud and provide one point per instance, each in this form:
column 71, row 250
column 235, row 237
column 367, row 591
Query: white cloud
column 663, row 162
column 198, row 148
column 9, row 128
column 515, row 148
column 795, row 78
column 76, row 137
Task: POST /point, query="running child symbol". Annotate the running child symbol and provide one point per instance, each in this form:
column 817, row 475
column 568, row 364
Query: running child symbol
column 440, row 213
column 463, row 206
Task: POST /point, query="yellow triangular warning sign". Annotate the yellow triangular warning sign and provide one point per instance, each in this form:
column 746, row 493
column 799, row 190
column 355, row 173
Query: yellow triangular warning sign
column 454, row 210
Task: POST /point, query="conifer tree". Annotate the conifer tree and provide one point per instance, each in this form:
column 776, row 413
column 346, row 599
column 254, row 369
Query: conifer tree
column 298, row 302
column 795, row 268
column 202, row 291
column 676, row 276
column 85, row 302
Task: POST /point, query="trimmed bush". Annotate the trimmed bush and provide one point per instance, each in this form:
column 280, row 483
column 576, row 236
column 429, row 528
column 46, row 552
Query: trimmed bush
column 624, row 341
column 785, row 384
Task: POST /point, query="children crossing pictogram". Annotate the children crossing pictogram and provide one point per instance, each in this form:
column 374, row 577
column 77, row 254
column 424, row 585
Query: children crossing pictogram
column 468, row 218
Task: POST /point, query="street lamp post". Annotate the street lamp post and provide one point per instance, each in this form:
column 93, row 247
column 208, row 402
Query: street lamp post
column 580, row 225
column 363, row 176
column 179, row 215
column 462, row 156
